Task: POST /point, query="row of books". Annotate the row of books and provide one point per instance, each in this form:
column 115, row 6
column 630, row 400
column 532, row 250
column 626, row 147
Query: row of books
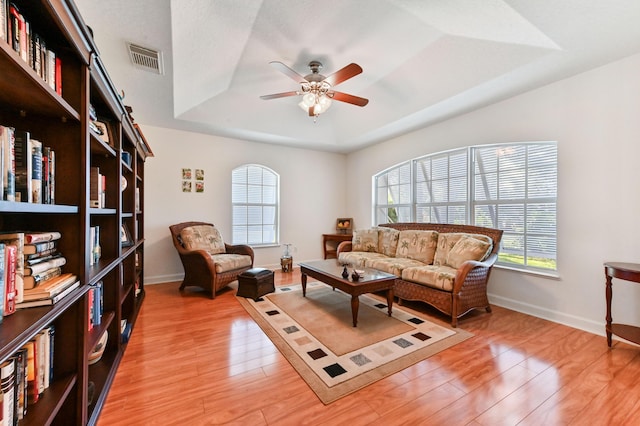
column 26, row 375
column 31, row 271
column 16, row 30
column 28, row 168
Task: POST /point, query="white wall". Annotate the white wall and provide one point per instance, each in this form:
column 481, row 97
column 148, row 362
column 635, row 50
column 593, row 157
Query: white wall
column 312, row 194
column 595, row 117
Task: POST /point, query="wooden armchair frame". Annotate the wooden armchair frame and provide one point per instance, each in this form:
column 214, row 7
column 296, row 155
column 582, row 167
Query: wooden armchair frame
column 199, row 268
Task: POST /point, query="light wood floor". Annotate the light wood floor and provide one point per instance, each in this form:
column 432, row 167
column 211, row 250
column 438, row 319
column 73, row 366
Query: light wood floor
column 196, row 361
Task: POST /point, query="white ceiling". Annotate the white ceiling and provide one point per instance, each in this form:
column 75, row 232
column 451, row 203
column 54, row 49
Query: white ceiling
column 423, row 60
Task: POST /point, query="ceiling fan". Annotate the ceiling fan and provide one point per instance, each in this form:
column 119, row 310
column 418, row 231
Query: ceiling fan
column 316, row 89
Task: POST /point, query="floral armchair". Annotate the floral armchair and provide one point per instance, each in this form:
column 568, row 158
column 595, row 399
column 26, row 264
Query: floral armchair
column 208, row 261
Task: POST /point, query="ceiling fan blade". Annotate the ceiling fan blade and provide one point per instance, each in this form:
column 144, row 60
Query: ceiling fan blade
column 343, row 74
column 287, row 71
column 350, row 99
column 279, row 95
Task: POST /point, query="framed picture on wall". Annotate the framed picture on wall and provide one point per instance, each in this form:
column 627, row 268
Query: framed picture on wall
column 344, row 225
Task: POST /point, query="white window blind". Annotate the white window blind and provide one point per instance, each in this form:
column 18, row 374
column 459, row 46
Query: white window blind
column 515, row 189
column 442, row 187
column 254, row 196
column 512, row 187
column 393, row 195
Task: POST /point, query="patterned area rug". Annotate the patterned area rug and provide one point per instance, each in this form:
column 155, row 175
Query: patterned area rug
column 316, row 336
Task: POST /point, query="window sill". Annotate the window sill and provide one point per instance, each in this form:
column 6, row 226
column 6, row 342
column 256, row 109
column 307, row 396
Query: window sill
column 554, row 275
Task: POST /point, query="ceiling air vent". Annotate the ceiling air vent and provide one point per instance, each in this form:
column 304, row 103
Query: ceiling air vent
column 145, row 58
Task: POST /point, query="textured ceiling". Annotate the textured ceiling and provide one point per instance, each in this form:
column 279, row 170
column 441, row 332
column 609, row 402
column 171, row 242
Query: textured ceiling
column 423, row 60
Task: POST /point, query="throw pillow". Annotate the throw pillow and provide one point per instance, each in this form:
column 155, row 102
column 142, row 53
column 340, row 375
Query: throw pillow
column 388, row 241
column 365, row 240
column 467, row 248
column 446, row 241
column 417, row 245
column 203, row 237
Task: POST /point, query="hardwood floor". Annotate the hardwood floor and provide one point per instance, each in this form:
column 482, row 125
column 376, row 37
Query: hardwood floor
column 193, row 360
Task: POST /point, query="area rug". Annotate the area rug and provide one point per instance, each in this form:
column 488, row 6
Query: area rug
column 316, row 335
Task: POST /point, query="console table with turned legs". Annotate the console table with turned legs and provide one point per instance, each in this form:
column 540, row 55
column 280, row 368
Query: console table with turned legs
column 627, row 272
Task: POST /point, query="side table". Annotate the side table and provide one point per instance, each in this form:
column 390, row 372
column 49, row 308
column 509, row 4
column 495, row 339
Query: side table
column 627, row 272
column 330, row 243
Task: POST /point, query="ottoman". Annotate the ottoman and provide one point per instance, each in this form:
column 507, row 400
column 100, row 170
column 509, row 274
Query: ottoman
column 255, row 283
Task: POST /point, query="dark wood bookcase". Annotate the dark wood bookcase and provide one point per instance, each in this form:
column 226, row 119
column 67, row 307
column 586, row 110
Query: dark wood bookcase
column 63, row 123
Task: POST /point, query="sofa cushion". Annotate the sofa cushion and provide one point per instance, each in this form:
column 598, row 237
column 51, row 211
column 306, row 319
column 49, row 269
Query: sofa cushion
column 358, row 258
column 392, row 265
column 467, row 248
column 440, row 277
column 202, row 237
column 228, row 262
column 446, row 241
column 417, row 245
column 365, row 240
column 388, row 241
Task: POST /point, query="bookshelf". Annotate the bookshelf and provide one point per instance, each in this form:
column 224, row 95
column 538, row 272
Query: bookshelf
column 62, row 119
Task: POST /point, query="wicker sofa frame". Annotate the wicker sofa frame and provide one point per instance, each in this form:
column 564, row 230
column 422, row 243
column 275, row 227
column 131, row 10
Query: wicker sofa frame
column 199, row 269
column 470, row 284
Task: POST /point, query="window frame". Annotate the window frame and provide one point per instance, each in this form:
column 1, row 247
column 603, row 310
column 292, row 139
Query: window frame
column 235, row 223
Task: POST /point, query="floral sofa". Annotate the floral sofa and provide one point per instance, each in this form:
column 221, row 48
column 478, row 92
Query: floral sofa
column 444, row 265
column 208, row 261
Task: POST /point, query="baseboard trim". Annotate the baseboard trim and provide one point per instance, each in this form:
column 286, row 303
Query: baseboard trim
column 549, row 314
column 161, row 279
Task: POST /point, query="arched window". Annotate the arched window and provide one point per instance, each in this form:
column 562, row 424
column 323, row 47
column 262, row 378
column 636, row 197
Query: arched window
column 255, row 199
column 512, row 187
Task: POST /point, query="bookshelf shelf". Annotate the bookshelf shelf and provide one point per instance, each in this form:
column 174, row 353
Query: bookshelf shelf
column 64, row 113
column 14, row 207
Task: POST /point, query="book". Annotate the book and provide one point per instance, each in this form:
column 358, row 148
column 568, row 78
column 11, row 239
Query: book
column 40, row 267
column 94, row 187
column 58, row 76
column 52, row 333
column 4, row 19
column 48, row 301
column 46, row 175
column 50, row 287
column 32, row 259
column 32, row 393
column 40, row 359
column 8, row 385
column 33, row 281
column 2, row 278
column 41, row 247
column 38, row 237
column 52, row 177
column 90, row 298
column 20, row 406
column 50, row 76
column 8, row 163
column 14, row 27
column 9, row 293
column 36, row 170
column 23, row 162
column 16, row 239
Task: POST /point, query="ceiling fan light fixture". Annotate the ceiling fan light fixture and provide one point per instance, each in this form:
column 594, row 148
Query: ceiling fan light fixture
column 316, row 89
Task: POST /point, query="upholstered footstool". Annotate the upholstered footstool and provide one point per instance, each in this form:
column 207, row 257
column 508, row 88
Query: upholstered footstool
column 255, row 283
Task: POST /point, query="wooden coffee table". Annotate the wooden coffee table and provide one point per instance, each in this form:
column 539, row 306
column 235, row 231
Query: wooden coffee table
column 330, row 272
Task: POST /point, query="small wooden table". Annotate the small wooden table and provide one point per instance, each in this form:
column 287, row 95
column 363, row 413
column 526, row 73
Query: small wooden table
column 330, row 243
column 330, row 272
column 627, row 272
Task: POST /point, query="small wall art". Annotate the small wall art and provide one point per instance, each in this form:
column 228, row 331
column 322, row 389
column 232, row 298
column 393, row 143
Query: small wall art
column 192, row 181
